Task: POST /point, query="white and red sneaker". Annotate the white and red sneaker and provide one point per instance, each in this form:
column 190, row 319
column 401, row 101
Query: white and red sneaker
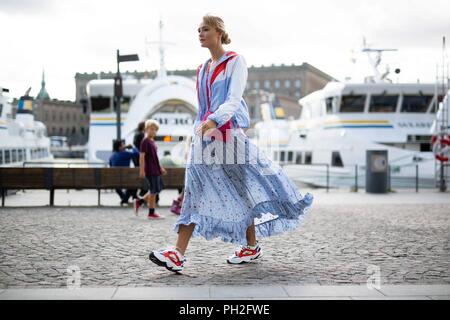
column 246, row 254
column 169, row 258
column 154, row 216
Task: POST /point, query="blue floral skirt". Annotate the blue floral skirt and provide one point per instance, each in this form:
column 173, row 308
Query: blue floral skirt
column 228, row 186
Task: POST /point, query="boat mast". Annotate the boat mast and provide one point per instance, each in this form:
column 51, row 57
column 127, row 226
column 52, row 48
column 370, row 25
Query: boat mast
column 162, row 72
column 442, row 115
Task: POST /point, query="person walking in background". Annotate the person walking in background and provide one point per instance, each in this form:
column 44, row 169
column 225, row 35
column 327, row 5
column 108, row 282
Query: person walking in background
column 150, row 169
column 235, row 202
column 121, row 157
column 137, row 139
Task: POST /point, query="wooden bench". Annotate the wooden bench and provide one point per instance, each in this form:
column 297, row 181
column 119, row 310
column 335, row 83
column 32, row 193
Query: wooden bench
column 80, row 178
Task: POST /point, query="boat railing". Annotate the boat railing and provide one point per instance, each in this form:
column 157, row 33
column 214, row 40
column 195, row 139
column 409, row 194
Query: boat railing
column 353, row 176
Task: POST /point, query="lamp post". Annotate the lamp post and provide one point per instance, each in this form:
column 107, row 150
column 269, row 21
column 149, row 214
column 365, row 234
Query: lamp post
column 118, row 92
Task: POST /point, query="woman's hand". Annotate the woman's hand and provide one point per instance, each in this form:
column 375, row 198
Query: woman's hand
column 163, row 171
column 205, row 126
column 141, row 174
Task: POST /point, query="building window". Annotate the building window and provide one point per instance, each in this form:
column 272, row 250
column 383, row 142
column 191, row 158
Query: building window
column 298, row 94
column 267, row 84
column 256, row 84
column 298, row 83
column 277, row 84
column 287, row 83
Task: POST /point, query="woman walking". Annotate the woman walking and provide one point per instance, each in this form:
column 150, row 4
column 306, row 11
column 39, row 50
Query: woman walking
column 232, row 190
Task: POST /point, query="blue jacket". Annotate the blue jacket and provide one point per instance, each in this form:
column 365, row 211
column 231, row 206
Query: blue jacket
column 122, row 158
column 221, row 86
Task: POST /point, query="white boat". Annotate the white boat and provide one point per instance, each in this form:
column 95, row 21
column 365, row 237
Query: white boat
column 339, row 123
column 169, row 99
column 22, row 139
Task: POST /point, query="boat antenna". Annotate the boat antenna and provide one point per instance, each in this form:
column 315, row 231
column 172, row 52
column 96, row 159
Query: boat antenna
column 375, row 57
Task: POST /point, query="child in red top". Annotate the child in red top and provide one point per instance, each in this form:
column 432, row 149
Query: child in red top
column 150, row 169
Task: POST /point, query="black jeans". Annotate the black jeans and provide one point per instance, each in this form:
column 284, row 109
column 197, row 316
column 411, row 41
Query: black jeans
column 125, row 196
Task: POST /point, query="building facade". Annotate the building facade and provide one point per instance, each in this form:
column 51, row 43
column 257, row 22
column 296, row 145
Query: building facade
column 62, row 118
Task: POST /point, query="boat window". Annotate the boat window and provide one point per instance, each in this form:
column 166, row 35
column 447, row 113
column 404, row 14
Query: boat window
column 298, row 158
column 100, row 104
column 352, row 103
column 383, row 103
column 336, row 160
column 20, row 156
column 308, row 157
column 434, row 108
column 275, row 155
column 1, row 109
column 1, row 156
column 7, row 156
column 125, row 104
column 282, row 156
column 416, row 103
column 329, row 103
column 14, row 155
column 290, row 156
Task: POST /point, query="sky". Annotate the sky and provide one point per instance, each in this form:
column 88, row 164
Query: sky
column 69, row 36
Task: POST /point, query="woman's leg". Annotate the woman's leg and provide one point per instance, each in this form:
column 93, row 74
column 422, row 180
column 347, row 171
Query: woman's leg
column 184, row 235
column 251, row 235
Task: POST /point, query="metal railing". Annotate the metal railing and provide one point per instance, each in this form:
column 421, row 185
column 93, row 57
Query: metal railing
column 393, row 182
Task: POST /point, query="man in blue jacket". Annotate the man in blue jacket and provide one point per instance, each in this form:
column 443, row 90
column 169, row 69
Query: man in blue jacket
column 122, row 157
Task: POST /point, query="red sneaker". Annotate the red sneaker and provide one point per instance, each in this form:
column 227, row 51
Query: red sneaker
column 137, row 205
column 246, row 254
column 154, row 216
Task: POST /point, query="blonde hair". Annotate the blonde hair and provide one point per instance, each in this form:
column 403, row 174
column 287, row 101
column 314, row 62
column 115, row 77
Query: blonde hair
column 151, row 122
column 219, row 25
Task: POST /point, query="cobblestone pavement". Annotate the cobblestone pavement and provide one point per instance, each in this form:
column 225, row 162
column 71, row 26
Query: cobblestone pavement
column 337, row 244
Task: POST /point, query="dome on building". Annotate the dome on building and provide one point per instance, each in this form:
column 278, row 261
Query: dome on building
column 43, row 94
